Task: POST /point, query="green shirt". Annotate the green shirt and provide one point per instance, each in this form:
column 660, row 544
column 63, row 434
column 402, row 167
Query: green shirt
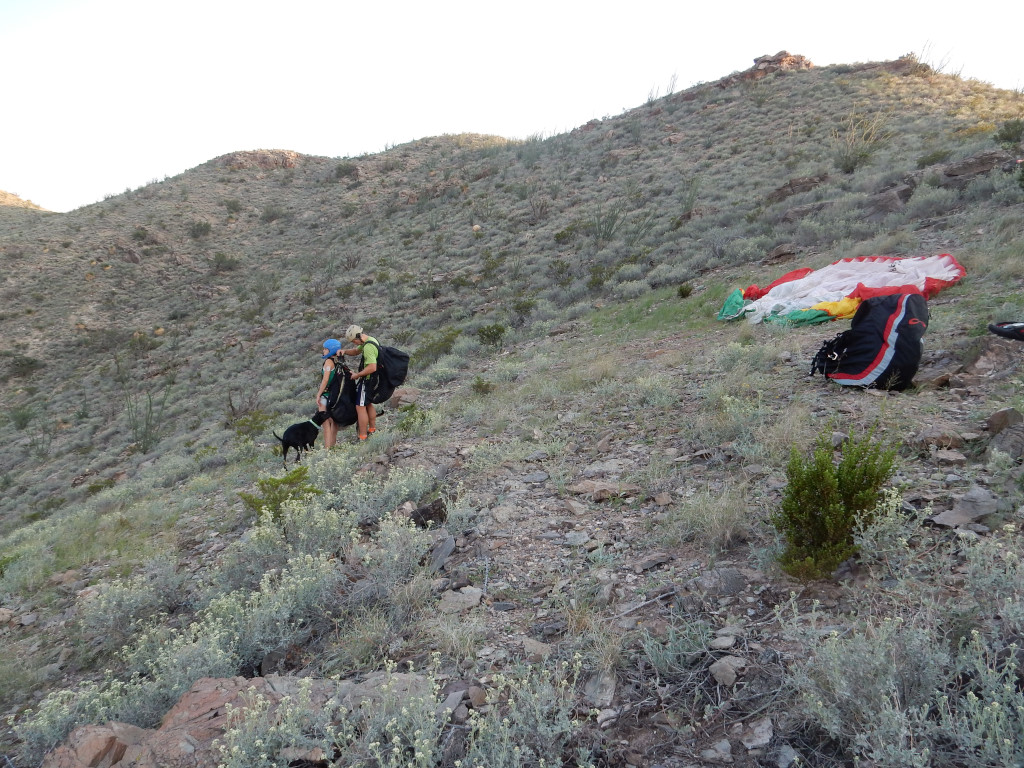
column 369, row 351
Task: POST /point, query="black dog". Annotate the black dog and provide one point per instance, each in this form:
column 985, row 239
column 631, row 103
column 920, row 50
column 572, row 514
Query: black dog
column 301, row 436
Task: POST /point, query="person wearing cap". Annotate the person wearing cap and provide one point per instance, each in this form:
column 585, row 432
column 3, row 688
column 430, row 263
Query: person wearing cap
column 330, row 386
column 366, row 414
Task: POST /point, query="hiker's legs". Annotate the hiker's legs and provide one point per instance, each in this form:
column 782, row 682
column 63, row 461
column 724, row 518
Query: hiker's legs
column 362, row 419
column 371, row 417
column 330, row 433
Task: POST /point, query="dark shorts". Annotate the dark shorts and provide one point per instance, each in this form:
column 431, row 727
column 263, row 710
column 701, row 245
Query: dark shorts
column 361, row 396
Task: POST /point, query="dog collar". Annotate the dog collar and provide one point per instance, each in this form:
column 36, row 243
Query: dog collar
column 315, row 425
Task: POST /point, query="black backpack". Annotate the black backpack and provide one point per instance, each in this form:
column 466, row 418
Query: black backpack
column 342, row 404
column 392, row 368
column 883, row 347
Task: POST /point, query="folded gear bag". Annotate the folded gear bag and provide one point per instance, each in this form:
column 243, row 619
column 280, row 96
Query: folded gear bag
column 392, row 368
column 883, row 346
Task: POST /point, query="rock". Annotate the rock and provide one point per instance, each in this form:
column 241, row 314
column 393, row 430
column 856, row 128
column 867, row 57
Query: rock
column 976, row 503
column 463, row 600
column 600, row 689
column 950, row 457
column 786, row 757
column 450, row 704
column 535, row 650
column 723, row 643
column 758, row 734
column 535, row 477
column 795, row 187
column 652, row 560
column 606, row 718
column 576, row 538
column 939, row 435
column 1010, row 441
column 663, row 499
column 601, row 490
column 432, row 514
column 721, row 752
column 727, row 669
column 1003, row 418
column 720, row 582
column 803, row 211
column 477, row 696
column 960, row 173
column 440, row 553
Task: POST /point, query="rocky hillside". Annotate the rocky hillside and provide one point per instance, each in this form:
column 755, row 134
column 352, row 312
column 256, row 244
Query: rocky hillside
column 598, row 458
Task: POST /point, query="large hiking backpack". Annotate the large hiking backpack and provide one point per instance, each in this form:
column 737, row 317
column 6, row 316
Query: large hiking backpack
column 343, row 407
column 392, row 368
column 883, row 346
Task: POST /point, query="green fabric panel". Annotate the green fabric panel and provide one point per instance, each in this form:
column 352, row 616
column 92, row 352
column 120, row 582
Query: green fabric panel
column 733, row 307
column 801, row 317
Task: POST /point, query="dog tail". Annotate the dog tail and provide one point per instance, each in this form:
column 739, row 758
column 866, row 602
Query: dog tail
column 277, row 436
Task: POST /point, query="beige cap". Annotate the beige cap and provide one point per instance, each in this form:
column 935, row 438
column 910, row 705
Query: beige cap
column 352, row 331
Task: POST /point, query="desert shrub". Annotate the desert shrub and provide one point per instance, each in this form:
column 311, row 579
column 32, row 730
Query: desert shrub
column 824, row 499
column 481, row 386
column 930, row 201
column 221, row 262
column 271, row 213
column 1010, row 134
column 934, row 157
column 21, row 416
column 346, row 170
column 232, row 204
column 492, row 334
column 251, row 423
column 113, row 616
column 275, row 491
column 199, row 229
column 434, row 346
column 682, row 647
column 858, row 138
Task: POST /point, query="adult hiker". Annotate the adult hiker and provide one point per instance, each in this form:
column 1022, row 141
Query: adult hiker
column 366, row 414
column 330, row 385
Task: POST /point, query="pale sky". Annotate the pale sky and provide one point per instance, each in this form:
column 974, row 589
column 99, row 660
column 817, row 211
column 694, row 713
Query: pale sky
column 103, row 95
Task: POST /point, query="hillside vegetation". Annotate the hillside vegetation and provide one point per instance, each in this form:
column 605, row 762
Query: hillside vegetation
column 603, row 585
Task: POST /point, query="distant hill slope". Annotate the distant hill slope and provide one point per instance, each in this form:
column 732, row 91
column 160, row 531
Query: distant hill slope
column 13, row 201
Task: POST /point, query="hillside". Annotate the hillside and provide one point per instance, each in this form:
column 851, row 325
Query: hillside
column 609, row 455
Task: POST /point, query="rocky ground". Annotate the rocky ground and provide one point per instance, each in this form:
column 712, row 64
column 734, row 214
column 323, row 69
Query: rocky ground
column 556, row 545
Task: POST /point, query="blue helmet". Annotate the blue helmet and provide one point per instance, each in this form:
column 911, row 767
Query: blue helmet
column 333, row 346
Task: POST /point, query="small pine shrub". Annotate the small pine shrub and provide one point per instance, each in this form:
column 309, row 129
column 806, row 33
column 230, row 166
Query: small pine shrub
column 199, row 229
column 491, row 335
column 275, row 491
column 684, row 290
column 224, row 263
column 251, row 424
column 21, row 416
column 824, row 500
column 1010, row 134
column 481, row 386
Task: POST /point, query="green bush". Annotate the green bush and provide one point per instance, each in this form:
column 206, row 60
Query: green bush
column 824, row 500
column 435, row 346
column 1010, row 134
column 199, row 229
column 21, row 416
column 224, row 263
column 491, row 335
column 275, row 491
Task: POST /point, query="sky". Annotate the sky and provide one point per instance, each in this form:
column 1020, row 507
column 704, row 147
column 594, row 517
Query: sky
column 100, row 96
